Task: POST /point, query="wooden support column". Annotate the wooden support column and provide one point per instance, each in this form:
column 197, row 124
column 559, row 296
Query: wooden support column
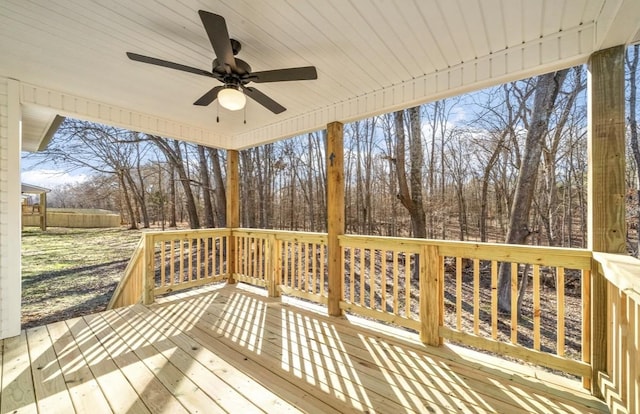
column 10, row 209
column 43, row 211
column 233, row 209
column 606, row 185
column 335, row 214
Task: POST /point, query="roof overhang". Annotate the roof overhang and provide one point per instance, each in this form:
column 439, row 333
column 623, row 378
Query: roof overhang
column 33, row 189
column 372, row 57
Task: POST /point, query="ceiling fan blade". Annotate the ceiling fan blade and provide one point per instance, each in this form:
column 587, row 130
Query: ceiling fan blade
column 167, row 64
column 216, row 28
column 209, row 97
column 263, row 100
column 280, row 75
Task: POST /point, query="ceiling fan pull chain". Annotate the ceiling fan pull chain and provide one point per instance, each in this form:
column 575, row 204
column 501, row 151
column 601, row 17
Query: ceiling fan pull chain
column 245, row 115
column 218, row 113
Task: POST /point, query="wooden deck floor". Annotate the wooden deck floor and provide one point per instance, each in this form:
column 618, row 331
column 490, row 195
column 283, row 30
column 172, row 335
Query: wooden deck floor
column 233, row 350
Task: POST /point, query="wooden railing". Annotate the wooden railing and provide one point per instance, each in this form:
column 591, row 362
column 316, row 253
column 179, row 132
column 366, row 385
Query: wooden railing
column 444, row 290
column 403, row 281
column 620, row 385
column 129, row 290
column 284, row 262
column 171, row 261
column 178, row 260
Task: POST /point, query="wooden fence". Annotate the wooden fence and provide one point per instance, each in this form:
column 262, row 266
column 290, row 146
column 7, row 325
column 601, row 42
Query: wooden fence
column 73, row 220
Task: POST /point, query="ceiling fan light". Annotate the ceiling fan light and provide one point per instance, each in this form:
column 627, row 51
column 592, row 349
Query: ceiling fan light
column 232, row 98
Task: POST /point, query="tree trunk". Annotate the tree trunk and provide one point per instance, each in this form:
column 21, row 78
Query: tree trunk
column 632, row 64
column 547, row 89
column 485, row 188
column 173, row 215
column 133, row 225
column 220, row 194
column 206, row 187
column 410, row 195
column 174, row 156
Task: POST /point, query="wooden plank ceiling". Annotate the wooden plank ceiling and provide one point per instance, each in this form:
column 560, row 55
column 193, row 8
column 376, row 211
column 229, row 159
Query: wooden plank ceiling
column 372, row 57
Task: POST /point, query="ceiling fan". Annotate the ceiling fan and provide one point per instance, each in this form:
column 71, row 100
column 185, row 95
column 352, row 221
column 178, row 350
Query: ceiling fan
column 234, row 73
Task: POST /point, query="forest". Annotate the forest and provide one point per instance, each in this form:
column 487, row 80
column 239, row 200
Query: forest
column 504, row 164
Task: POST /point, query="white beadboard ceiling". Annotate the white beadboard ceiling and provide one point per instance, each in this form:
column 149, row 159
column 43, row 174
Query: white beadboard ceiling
column 372, row 57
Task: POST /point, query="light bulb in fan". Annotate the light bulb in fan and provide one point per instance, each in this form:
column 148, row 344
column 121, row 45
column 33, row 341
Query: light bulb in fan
column 232, row 98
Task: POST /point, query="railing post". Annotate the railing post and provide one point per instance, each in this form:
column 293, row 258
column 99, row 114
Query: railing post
column 148, row 271
column 273, row 265
column 335, row 214
column 233, row 210
column 430, row 292
column 606, row 184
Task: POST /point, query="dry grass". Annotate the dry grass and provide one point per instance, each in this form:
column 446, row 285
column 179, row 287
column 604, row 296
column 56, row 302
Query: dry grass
column 71, row 272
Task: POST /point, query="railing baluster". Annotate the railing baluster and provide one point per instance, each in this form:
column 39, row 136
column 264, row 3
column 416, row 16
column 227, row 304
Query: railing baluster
column 206, row 257
column 560, row 312
column 172, row 261
column 494, row 299
column 163, row 258
column 181, row 279
column 189, row 260
column 514, row 303
column 299, row 267
column 362, row 276
column 536, row 307
column 383, row 279
column 476, row 296
column 198, row 259
column 395, row 282
column 314, row 274
column 285, row 263
column 459, row 293
column 373, row 258
column 352, row 274
column 407, row 285
column 322, row 269
column 585, row 295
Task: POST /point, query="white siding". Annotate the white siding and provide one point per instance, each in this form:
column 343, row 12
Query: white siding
column 10, row 233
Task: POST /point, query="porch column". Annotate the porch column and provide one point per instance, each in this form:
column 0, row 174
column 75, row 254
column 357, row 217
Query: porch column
column 233, row 209
column 335, row 213
column 43, row 211
column 606, row 185
column 10, row 209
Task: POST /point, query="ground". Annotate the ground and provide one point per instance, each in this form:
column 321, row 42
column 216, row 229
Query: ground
column 71, row 272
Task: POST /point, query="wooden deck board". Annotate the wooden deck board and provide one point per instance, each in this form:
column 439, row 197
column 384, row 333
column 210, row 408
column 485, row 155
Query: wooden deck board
column 83, row 387
column 18, row 395
column 51, row 391
column 213, row 364
column 232, row 350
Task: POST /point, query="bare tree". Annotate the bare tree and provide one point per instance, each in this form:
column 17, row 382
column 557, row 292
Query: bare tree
column 548, row 87
column 410, row 195
column 206, row 187
column 219, row 192
column 173, row 153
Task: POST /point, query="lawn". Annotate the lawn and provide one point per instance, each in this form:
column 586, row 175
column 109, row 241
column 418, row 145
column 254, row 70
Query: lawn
column 71, row 272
